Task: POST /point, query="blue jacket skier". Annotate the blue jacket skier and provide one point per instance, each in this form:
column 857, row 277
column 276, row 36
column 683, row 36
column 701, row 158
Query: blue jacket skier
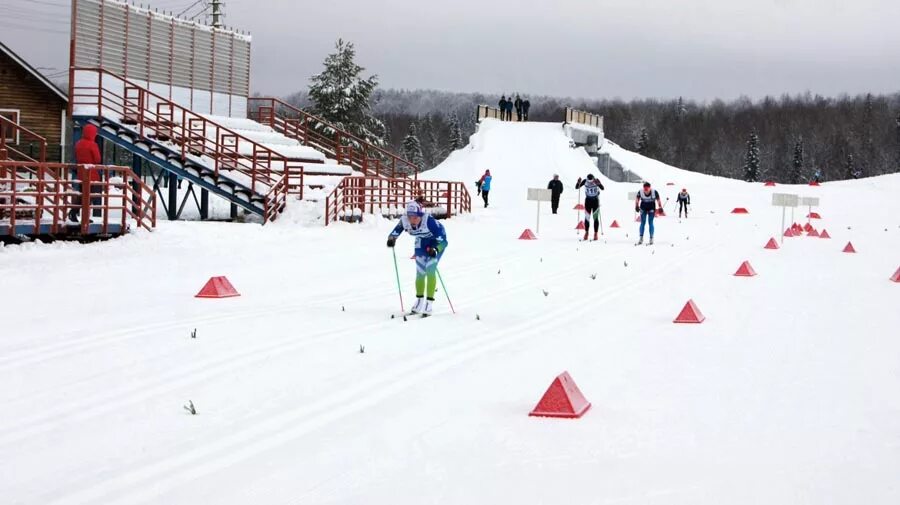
column 484, row 186
column 431, row 241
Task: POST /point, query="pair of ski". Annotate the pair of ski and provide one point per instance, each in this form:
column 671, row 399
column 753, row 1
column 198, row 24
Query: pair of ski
column 648, row 244
column 410, row 315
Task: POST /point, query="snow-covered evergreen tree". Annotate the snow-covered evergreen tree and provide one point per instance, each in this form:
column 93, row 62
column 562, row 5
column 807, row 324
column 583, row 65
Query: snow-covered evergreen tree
column 796, row 173
column 341, row 96
column 643, row 142
column 456, row 136
column 751, row 160
column 412, row 148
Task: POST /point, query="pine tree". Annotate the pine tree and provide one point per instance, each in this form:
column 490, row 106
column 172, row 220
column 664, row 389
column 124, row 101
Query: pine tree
column 643, row 142
column 342, row 97
column 796, row 174
column 456, row 136
column 434, row 152
column 867, row 157
column 412, row 148
column 751, row 161
column 850, row 167
column 898, row 142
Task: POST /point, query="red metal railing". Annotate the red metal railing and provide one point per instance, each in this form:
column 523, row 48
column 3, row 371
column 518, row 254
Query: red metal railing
column 340, row 145
column 389, row 196
column 44, row 194
column 221, row 149
column 9, row 129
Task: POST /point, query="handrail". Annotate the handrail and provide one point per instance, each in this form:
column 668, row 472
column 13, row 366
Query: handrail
column 487, row 111
column 194, row 134
column 345, row 146
column 55, row 188
column 583, row 117
column 8, row 125
column 371, row 194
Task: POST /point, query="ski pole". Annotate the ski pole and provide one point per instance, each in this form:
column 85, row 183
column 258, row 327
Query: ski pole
column 397, row 273
column 444, row 287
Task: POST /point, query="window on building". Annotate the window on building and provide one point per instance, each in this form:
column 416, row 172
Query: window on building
column 11, row 135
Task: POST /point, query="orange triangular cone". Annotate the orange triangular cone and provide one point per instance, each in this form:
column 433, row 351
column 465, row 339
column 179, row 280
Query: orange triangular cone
column 824, row 234
column 771, row 244
column 580, row 225
column 896, row 276
column 217, row 287
column 690, row 314
column 745, row 270
column 562, row 399
column 615, row 224
column 579, row 207
column 527, row 235
column 849, row 248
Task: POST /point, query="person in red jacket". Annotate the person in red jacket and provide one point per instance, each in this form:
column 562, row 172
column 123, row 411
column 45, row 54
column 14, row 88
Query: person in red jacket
column 87, row 153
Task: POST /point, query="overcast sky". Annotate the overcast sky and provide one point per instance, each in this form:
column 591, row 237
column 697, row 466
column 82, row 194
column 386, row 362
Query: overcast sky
column 700, row 49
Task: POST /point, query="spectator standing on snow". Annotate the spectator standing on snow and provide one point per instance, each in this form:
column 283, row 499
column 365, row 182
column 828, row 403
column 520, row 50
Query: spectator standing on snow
column 684, row 199
column 646, row 203
column 431, row 240
column 556, row 188
column 485, row 185
column 502, row 105
column 509, row 108
column 86, row 153
column 518, row 104
column 592, row 188
column 525, row 106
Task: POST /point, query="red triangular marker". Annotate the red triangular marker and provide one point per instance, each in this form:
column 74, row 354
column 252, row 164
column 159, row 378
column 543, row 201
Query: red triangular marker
column 824, row 234
column 769, row 183
column 745, row 270
column 771, row 244
column 579, row 207
column 740, row 210
column 896, row 276
column 789, row 233
column 615, row 224
column 660, row 213
column 217, row 287
column 813, row 183
column 580, row 225
column 812, row 233
column 849, row 248
column 814, row 215
column 527, row 235
column 690, row 314
column 562, row 399
column 807, row 227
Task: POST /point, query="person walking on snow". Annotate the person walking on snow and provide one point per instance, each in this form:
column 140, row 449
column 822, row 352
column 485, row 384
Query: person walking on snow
column 525, row 106
column 502, row 105
column 86, row 153
column 431, row 241
column 592, row 188
column 485, row 185
column 646, row 203
column 509, row 108
column 684, row 199
column 556, row 188
column 518, row 104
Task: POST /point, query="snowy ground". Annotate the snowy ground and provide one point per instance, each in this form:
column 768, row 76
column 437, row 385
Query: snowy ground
column 786, row 394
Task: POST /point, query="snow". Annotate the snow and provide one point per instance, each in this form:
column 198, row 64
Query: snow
column 787, row 393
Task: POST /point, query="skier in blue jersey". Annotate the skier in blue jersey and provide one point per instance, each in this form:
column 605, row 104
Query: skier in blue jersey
column 647, row 203
column 431, row 241
column 592, row 188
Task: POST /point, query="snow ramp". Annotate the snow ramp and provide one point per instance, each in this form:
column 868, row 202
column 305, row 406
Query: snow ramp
column 519, row 156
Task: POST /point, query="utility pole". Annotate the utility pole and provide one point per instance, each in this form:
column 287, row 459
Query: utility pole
column 216, row 13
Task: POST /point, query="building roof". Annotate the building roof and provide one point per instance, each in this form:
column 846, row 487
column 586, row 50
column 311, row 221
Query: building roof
column 31, row 70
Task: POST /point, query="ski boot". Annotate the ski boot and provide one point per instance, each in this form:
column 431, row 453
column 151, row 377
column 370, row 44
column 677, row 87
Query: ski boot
column 651, row 241
column 426, row 310
column 419, row 306
column 596, row 237
column 640, row 241
column 585, row 236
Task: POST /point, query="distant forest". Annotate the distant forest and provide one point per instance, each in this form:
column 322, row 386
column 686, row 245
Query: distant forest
column 844, row 137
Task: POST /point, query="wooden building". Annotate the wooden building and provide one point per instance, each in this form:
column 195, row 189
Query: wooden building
column 31, row 100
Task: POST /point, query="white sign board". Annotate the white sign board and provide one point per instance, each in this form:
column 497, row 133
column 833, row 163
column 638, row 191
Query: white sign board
column 809, row 201
column 785, row 200
column 539, row 194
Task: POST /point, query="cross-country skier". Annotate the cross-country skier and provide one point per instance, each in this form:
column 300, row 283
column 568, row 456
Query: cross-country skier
column 646, row 203
column 431, row 240
column 592, row 188
column 485, row 186
column 684, row 199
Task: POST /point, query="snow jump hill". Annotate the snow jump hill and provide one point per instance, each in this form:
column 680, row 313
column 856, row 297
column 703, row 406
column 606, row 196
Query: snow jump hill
column 306, row 391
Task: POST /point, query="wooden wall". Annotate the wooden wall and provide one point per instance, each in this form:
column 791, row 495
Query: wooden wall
column 40, row 109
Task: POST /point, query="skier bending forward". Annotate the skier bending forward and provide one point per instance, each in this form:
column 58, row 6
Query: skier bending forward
column 592, row 188
column 431, row 240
